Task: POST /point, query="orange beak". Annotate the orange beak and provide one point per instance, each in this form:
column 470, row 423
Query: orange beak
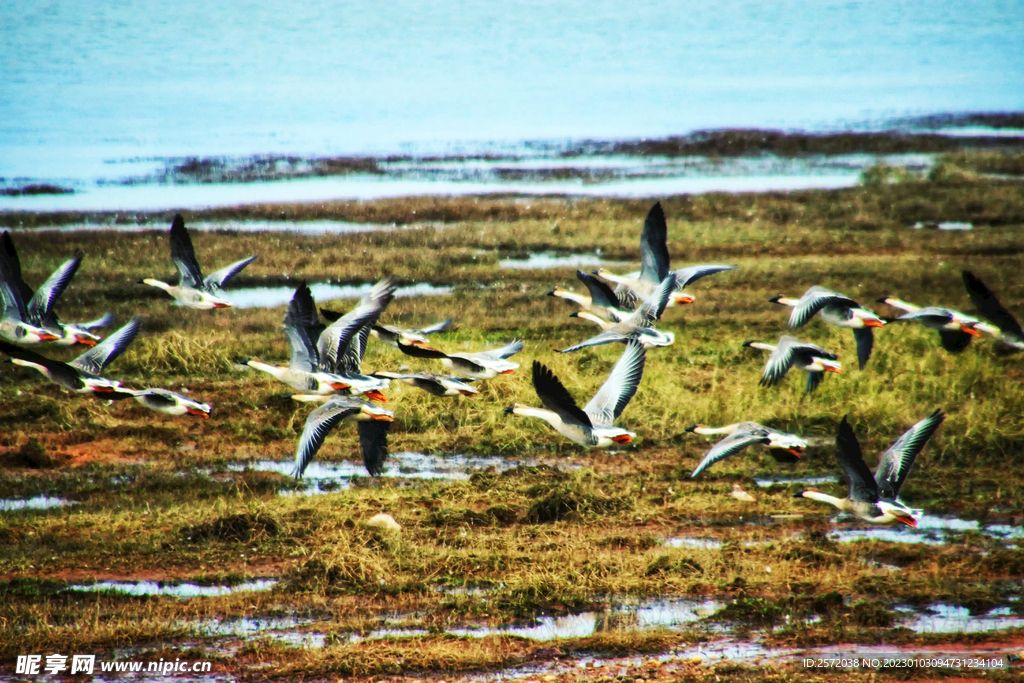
column 623, row 439
column 375, row 395
column 683, row 299
column 829, row 368
column 506, row 372
column 970, row 330
column 222, row 305
column 197, row 412
column 873, row 322
column 85, row 341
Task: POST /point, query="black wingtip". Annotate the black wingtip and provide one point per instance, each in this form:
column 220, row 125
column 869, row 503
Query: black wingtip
column 690, row 428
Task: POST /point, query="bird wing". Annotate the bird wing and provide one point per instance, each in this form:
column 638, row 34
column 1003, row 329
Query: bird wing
column 607, row 337
column 436, row 327
column 300, row 319
column 778, row 363
column 600, row 293
column 987, row 303
column 40, row 306
column 507, row 351
column 691, row 274
column 731, row 445
column 100, row 356
column 318, row 425
column 420, row 351
column 848, row 454
column 895, row 463
column 813, row 380
column 10, row 266
column 184, row 256
column 865, row 338
column 103, row 321
column 336, row 342
column 954, row 341
column 654, row 246
column 373, row 441
column 654, row 305
column 813, row 300
column 613, row 396
column 556, row 397
column 219, row 278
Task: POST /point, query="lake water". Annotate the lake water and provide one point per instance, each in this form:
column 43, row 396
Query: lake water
column 94, row 94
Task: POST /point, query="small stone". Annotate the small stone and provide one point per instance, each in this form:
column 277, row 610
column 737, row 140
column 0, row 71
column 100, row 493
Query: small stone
column 383, row 521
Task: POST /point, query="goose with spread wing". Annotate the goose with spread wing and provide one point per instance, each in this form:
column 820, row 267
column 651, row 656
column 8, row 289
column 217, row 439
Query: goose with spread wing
column 83, row 374
column 170, row 402
column 638, row 326
column 193, row 290
column 1001, row 324
column 479, row 365
column 591, row 426
column 741, row 435
column 372, row 422
column 835, row 309
column 39, row 304
column 791, row 352
column 654, row 266
column 876, row 498
column 955, row 329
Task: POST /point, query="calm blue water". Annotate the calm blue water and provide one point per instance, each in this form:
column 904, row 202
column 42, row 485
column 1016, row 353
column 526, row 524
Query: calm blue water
column 92, row 91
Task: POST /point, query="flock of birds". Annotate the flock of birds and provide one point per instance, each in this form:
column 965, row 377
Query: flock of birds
column 326, row 357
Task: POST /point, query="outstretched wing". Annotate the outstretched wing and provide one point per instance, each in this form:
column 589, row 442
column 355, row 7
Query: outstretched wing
column 219, row 278
column 653, row 306
column 184, row 256
column 813, row 300
column 778, row 363
column 865, row 338
column 848, row 454
column 507, row 351
column 556, row 397
column 730, row 446
column 337, row 340
column 436, row 327
column 300, row 323
column 318, row 425
column 40, row 306
column 895, row 464
column 986, row 302
column 954, row 341
column 100, row 356
column 373, row 440
column 600, row 293
column 654, row 246
column 620, row 387
column 691, row 274
column 608, row 337
column 10, row 266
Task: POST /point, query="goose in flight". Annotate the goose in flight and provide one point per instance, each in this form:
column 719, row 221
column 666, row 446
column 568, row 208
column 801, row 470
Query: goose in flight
column 83, row 374
column 170, row 403
column 372, row 422
column 478, row 365
column 602, row 301
column 591, row 426
column 1003, row 325
column 791, row 352
column 319, row 352
column 876, row 499
column 38, row 304
column 838, row 310
column 433, row 383
column 638, row 326
column 955, row 328
column 193, row 290
column 391, row 335
column 654, row 266
column 741, row 435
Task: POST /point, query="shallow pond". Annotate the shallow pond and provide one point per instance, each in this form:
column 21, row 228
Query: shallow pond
column 35, row 503
column 180, row 590
column 270, row 297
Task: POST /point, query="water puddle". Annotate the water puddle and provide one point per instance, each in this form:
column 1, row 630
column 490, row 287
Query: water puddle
column 953, row 619
column 547, row 259
column 786, row 481
column 945, row 225
column 36, row 503
column 690, row 542
column 931, row 530
column 326, row 477
column 181, row 590
column 270, row 297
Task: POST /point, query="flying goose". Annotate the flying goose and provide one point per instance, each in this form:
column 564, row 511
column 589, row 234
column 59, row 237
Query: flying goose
column 1003, row 325
column 478, row 365
column 193, row 290
column 318, row 352
column 372, row 423
column 170, row 403
column 591, row 426
column 876, row 499
column 38, row 304
column 838, row 310
column 82, row 375
column 601, row 301
column 741, row 435
column 791, row 352
column 654, row 266
column 391, row 335
column 433, row 383
column 638, row 326
column 955, row 328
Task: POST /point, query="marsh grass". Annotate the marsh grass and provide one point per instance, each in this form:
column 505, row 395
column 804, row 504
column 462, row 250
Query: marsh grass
column 155, row 496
